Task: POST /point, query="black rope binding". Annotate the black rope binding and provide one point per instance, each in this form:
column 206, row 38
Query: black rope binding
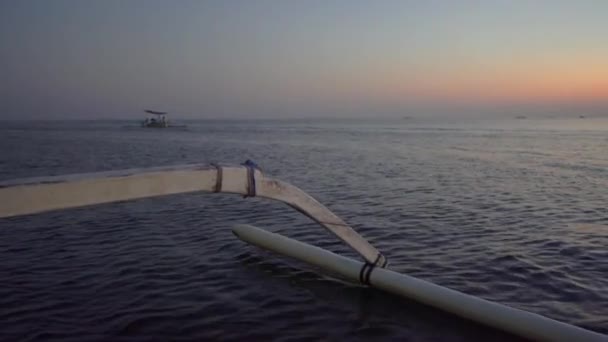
column 384, row 262
column 362, row 278
column 251, row 167
column 218, row 178
column 367, row 268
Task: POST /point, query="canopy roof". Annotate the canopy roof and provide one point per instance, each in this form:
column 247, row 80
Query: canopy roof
column 155, row 112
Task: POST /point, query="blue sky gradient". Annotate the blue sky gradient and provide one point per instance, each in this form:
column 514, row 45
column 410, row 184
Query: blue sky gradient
column 200, row 59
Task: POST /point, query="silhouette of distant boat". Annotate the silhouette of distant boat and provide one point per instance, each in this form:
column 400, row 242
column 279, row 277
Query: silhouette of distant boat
column 158, row 120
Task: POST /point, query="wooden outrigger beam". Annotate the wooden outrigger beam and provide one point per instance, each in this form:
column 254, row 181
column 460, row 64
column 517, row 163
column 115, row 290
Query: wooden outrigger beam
column 36, row 195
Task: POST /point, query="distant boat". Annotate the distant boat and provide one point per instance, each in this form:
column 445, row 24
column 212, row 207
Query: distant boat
column 521, row 117
column 157, row 120
column 581, row 117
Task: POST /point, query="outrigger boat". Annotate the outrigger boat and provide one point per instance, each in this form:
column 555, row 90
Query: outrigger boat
column 158, row 120
column 37, row 195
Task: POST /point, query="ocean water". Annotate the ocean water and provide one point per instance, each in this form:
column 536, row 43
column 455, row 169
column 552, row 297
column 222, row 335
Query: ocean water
column 513, row 211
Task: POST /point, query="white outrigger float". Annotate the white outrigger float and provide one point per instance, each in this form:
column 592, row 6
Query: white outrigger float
column 36, row 195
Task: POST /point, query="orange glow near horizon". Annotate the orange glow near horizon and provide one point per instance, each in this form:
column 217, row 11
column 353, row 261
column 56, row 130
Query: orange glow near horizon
column 548, row 80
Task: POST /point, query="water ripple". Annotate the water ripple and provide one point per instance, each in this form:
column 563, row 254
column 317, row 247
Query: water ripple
column 507, row 215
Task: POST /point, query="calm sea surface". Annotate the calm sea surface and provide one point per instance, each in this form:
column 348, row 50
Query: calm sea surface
column 513, row 211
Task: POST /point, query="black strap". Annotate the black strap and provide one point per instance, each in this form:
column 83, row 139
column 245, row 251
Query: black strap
column 251, row 167
column 218, row 178
column 362, row 274
column 366, row 270
column 384, row 261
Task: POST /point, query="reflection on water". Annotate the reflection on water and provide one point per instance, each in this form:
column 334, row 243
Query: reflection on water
column 512, row 211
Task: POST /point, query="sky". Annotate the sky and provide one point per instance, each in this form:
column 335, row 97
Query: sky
column 88, row 59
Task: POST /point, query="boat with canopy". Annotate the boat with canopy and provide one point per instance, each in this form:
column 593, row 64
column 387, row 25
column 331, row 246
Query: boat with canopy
column 36, row 195
column 157, row 119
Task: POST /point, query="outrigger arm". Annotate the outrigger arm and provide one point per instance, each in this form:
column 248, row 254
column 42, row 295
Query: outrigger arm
column 36, row 195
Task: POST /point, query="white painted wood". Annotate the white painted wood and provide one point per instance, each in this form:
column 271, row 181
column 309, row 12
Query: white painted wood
column 307, row 205
column 515, row 321
column 36, row 195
